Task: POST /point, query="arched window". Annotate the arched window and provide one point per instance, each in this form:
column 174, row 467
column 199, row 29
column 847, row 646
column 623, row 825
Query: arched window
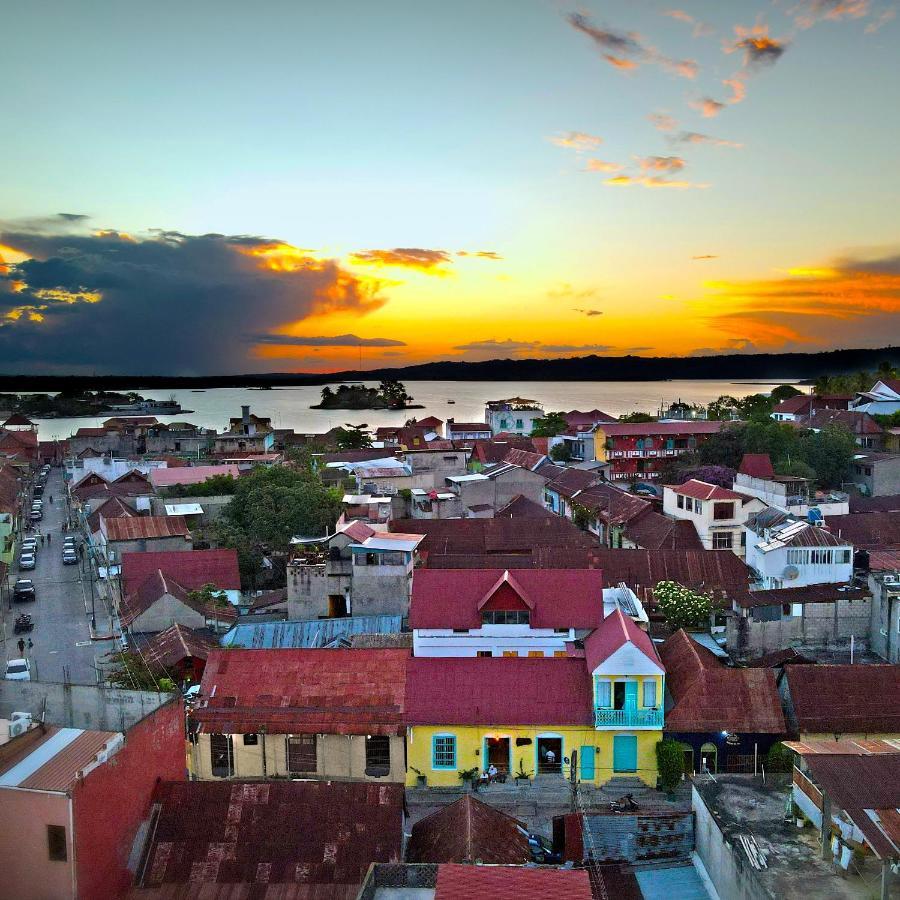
column 709, row 758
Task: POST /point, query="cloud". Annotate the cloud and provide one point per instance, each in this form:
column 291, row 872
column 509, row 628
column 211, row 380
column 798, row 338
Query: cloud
column 695, row 137
column 758, row 47
column 72, row 217
column 480, row 254
column 599, row 165
column 627, row 50
column 661, row 163
column 738, row 88
column 518, row 347
column 698, row 29
column 430, row 261
column 652, row 181
column 577, row 140
column 885, row 16
column 706, row 256
column 338, row 340
column 589, row 312
column 570, row 292
column 856, row 298
column 707, row 107
column 663, row 122
column 165, row 303
column 809, row 12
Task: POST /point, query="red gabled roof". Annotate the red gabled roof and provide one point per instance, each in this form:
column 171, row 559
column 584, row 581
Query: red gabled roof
column 523, row 691
column 190, row 568
column 709, row 696
column 458, row 882
column 614, row 632
column 142, row 527
column 795, row 404
column 591, row 417
column 300, row 691
column 524, row 458
column 756, row 465
column 652, row 429
column 18, row 419
column 845, row 699
column 703, row 490
column 429, row 422
column 558, row 598
column 176, row 644
column 654, row 531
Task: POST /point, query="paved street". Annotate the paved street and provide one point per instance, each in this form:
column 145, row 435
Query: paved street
column 63, row 649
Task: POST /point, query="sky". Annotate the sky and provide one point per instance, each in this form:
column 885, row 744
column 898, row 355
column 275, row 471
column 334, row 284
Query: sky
column 223, row 187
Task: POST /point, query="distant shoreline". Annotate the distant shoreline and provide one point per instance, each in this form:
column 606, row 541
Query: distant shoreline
column 745, row 368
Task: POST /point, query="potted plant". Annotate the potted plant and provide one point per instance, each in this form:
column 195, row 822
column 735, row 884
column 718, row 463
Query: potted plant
column 421, row 780
column 469, row 776
column 522, row 775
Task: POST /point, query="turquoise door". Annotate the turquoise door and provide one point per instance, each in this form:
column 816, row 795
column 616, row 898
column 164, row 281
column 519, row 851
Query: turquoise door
column 586, row 759
column 631, row 698
column 625, row 753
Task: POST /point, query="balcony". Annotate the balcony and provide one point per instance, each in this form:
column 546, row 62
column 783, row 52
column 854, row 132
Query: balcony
column 628, row 718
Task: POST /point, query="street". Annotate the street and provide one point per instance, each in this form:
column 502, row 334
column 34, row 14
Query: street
column 63, row 649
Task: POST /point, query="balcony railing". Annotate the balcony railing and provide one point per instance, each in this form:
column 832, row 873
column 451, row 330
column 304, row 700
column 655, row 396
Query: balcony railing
column 628, row 718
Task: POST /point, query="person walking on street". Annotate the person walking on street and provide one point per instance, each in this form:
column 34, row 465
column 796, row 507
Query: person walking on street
column 49, row 537
column 21, row 645
column 42, row 540
column 51, row 499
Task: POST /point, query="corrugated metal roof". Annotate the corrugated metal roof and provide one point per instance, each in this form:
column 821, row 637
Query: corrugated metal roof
column 190, row 474
column 458, row 882
column 129, row 529
column 312, row 633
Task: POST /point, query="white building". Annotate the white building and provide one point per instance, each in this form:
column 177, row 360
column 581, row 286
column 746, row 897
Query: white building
column 882, row 399
column 786, row 552
column 717, row 514
column 788, row 493
column 513, row 416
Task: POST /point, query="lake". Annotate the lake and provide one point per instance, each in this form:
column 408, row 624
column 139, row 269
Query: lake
column 289, row 407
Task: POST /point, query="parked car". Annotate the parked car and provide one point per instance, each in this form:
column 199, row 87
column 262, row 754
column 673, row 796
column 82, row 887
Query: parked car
column 29, row 545
column 70, row 557
column 38, row 490
column 36, row 515
column 27, row 561
column 23, row 590
column 18, row 670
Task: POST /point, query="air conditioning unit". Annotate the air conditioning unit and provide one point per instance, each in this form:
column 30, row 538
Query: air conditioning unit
column 17, row 716
column 18, row 727
column 892, row 579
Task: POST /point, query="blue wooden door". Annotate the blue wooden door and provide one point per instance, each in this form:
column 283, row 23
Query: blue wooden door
column 631, row 696
column 586, row 759
column 625, row 753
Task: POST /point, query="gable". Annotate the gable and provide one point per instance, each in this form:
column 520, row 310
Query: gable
column 629, row 660
column 505, row 597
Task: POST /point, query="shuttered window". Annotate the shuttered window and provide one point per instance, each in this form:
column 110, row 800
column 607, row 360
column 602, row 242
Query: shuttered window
column 301, row 754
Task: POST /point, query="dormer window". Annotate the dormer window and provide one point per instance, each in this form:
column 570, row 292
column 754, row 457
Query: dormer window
column 506, row 617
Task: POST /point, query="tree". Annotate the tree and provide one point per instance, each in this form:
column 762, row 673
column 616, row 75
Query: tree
column 550, row 425
column 637, row 418
column 561, row 452
column 724, row 407
column 682, row 607
column 720, row 475
column 783, row 392
column 829, row 452
column 131, row 671
column 394, row 394
column 755, row 407
column 209, row 595
column 669, row 764
column 327, row 394
column 352, row 437
column 218, row 485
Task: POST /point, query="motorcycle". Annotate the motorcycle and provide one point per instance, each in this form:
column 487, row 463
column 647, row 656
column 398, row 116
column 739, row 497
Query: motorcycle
column 23, row 624
column 625, row 803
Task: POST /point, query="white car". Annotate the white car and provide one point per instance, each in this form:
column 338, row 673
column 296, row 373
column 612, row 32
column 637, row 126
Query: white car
column 27, row 561
column 29, row 545
column 18, row 670
column 70, row 557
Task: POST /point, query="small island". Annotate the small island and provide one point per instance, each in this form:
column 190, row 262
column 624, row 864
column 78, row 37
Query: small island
column 388, row 395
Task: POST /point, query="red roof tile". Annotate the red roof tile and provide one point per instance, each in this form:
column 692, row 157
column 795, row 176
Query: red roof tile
column 614, row 632
column 559, row 598
column 626, row 429
column 702, row 490
column 523, row 691
column 469, row 831
column 795, row 404
column 524, row 458
column 304, row 691
column 611, row 504
column 296, row 839
column 144, row 527
column 756, row 465
column 845, row 699
column 569, row 481
column 654, row 531
column 455, row 882
column 192, row 569
column 18, row 419
column 591, row 417
column 709, row 696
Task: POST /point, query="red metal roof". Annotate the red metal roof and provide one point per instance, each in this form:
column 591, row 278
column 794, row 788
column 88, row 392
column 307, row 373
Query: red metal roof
column 190, row 475
column 615, row 631
column 756, row 465
column 651, row 429
column 158, row 585
column 591, row 417
column 456, row 882
column 524, row 458
column 696, row 569
column 795, row 404
column 654, row 531
column 303, row 691
column 570, row 481
column 288, row 839
column 468, row 831
column 176, row 644
column 869, row 530
column 559, row 598
column 523, row 691
column 845, row 699
column 142, row 527
column 191, row 569
column 702, row 490
column 522, row 507
column 711, row 697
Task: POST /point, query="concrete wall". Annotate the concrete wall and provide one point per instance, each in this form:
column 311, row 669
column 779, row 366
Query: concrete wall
column 338, row 756
column 153, row 545
column 728, row 869
column 80, row 705
column 380, row 590
column 212, row 506
column 168, row 610
column 436, row 465
column 816, row 626
column 25, row 867
column 884, row 633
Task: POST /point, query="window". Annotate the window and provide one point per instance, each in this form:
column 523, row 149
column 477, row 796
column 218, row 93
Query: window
column 648, row 443
column 844, row 556
column 378, row 755
column 796, row 557
column 743, row 538
column 56, row 843
column 640, row 444
column 670, row 444
column 722, row 540
column 820, row 557
column 520, row 424
column 510, row 652
column 503, row 424
column 301, row 754
column 723, row 511
column 221, row 754
column 698, row 506
column 443, row 751
column 560, row 653
column 506, row 617
column 536, row 653
column 649, row 693
column 681, row 501
column 484, row 653
column 251, row 740
column 604, row 693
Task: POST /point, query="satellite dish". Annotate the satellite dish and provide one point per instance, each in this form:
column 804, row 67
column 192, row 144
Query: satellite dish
column 790, row 573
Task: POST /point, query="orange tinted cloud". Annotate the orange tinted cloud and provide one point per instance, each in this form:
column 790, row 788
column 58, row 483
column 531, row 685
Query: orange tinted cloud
column 652, row 181
column 618, row 62
column 599, row 165
column 661, row 163
column 738, row 89
column 807, row 13
column 759, row 48
column 432, row 262
column 663, row 121
column 577, row 140
column 707, row 107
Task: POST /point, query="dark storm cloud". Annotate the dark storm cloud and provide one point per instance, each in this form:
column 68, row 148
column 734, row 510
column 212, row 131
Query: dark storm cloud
column 168, row 303
column 338, row 340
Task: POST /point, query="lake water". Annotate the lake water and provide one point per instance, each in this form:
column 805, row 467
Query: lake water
column 289, row 407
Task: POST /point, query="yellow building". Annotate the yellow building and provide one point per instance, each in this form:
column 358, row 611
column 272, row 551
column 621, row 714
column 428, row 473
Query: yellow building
column 531, row 715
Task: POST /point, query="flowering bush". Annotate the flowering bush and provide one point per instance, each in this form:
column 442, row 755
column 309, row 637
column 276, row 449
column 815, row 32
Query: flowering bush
column 682, row 607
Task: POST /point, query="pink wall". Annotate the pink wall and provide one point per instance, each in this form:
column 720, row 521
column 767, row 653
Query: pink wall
column 114, row 799
column 25, row 866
